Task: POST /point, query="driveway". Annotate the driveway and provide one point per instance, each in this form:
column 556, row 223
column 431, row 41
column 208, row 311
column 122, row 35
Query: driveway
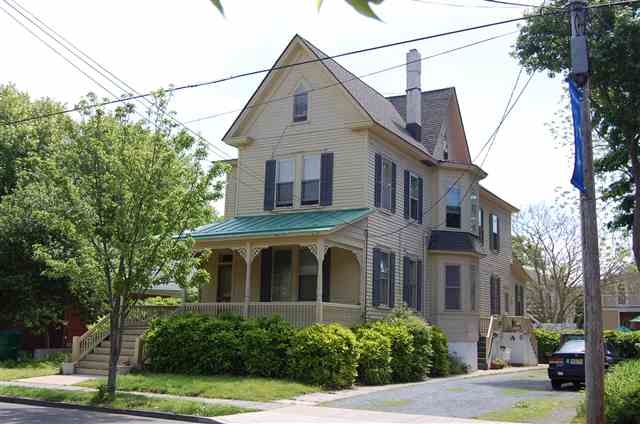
column 469, row 397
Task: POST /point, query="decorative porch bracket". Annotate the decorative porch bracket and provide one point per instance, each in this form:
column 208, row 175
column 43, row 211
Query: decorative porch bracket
column 248, row 253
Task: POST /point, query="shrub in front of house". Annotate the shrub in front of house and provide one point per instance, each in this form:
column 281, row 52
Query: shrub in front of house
column 401, row 349
column 264, row 346
column 456, row 366
column 422, row 356
column 548, row 342
column 374, row 365
column 623, row 345
column 324, row 354
column 440, row 365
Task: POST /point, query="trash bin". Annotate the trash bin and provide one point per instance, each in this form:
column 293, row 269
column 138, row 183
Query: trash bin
column 9, row 344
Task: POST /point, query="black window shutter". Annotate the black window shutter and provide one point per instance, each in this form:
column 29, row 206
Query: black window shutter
column 406, row 266
column 419, row 287
column 326, row 277
column 326, row 179
column 377, row 190
column 407, row 203
column 420, row 200
column 393, row 187
column 392, row 280
column 269, row 184
column 265, row 275
column 376, row 277
column 498, row 297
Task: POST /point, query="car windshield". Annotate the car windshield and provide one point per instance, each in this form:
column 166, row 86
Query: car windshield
column 572, row 346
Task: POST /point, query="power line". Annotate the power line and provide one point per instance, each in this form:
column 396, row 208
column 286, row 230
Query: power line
column 341, row 82
column 487, row 145
column 344, row 54
column 290, row 65
column 464, row 5
column 83, row 60
column 509, row 3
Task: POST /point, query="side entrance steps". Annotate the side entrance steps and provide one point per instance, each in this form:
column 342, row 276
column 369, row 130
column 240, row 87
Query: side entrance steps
column 482, row 353
column 97, row 361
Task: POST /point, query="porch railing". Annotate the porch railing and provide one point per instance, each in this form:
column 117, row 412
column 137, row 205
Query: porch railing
column 83, row 345
column 212, row 308
column 142, row 314
column 346, row 314
column 299, row 314
column 621, row 300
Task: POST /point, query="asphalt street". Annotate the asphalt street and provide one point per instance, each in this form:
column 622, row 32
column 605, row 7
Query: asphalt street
column 25, row 414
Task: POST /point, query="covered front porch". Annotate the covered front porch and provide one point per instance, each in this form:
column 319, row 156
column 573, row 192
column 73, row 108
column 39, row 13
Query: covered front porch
column 306, row 267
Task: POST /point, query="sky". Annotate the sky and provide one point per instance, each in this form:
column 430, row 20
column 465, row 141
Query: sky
column 155, row 43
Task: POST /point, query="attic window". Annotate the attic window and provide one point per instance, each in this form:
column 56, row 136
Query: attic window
column 445, row 151
column 300, row 104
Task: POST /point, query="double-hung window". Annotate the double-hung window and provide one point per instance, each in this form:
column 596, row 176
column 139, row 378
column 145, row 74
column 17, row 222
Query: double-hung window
column 385, row 277
column 494, row 295
column 507, row 302
column 311, row 180
column 452, row 288
column 300, row 104
column 284, row 182
column 454, row 210
column 414, row 196
column 495, row 233
column 519, row 300
column 387, row 184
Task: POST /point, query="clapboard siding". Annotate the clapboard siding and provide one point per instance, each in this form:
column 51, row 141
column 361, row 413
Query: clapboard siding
column 499, row 263
column 391, row 230
column 331, row 114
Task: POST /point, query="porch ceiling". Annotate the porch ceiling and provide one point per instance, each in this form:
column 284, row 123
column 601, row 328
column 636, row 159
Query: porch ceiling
column 275, row 224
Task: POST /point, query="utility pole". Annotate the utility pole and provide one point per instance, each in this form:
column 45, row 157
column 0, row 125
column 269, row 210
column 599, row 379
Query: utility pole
column 594, row 347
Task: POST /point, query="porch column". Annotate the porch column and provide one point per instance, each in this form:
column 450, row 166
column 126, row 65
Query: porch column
column 320, row 259
column 248, row 260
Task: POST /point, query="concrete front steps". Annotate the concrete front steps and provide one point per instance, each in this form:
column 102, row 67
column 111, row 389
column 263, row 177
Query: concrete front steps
column 97, row 362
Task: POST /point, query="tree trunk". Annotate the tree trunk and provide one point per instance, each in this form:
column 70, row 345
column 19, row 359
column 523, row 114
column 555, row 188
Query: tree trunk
column 115, row 338
column 635, row 172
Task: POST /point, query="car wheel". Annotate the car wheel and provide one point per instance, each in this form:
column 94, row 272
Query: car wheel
column 556, row 384
column 577, row 385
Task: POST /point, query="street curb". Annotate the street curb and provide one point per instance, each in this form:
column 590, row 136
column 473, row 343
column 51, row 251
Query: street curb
column 137, row 413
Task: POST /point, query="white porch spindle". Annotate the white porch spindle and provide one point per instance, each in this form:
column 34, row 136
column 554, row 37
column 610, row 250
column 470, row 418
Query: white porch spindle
column 320, row 259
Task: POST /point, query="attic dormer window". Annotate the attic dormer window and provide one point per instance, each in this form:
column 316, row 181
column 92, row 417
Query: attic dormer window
column 445, row 151
column 300, row 104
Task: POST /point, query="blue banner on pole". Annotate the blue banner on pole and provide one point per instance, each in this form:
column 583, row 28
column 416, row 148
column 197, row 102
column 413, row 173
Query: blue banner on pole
column 577, row 97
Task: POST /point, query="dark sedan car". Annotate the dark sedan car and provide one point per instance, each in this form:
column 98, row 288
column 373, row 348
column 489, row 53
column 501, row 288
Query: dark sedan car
column 567, row 364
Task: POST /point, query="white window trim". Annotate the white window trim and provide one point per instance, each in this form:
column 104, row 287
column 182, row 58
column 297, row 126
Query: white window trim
column 444, row 293
column 413, row 175
column 319, row 179
column 385, row 293
column 388, row 160
column 293, row 194
column 451, row 188
column 306, row 91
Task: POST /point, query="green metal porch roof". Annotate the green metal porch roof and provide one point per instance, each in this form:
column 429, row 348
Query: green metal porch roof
column 279, row 224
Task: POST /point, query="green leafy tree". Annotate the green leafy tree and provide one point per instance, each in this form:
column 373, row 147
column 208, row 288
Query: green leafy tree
column 614, row 46
column 361, row 6
column 37, row 301
column 128, row 192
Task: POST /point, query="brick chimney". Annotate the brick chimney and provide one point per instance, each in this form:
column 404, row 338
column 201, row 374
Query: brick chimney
column 414, row 94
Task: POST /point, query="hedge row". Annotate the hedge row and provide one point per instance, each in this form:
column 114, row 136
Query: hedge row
column 623, row 345
column 401, row 348
column 621, row 394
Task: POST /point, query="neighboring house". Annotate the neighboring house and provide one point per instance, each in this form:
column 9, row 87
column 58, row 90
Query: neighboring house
column 380, row 191
column 621, row 302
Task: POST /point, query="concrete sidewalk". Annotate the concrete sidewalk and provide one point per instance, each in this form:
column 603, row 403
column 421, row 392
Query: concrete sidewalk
column 322, row 415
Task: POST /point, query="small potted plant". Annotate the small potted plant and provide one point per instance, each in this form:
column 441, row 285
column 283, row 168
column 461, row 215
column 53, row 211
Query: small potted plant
column 67, row 367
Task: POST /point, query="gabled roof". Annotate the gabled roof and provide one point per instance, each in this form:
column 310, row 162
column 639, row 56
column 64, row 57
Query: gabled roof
column 280, row 224
column 379, row 109
column 434, row 113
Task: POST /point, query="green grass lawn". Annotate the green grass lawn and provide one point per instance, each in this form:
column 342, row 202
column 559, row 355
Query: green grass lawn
column 12, row 370
column 221, row 387
column 528, row 410
column 124, row 401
